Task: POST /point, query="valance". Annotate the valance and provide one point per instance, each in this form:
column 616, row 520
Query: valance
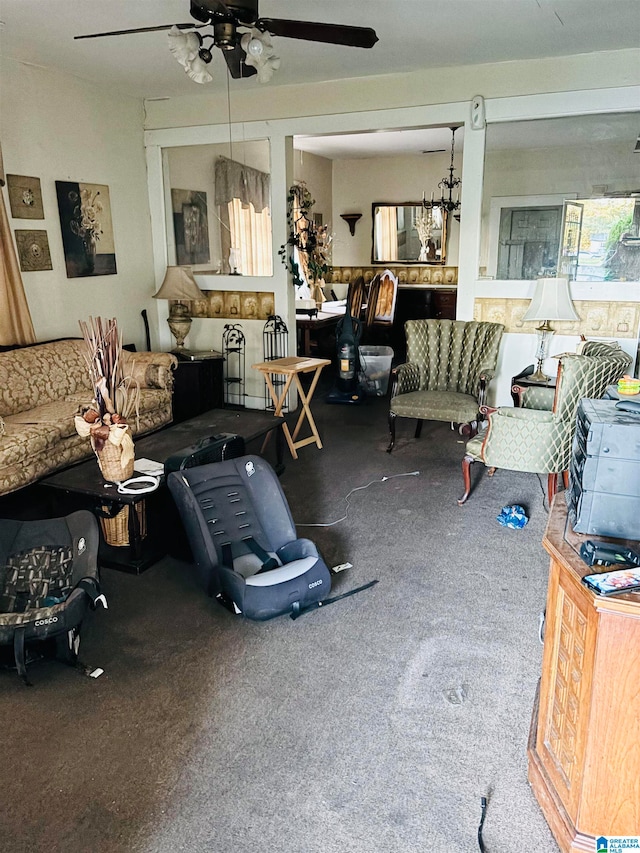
column 235, row 180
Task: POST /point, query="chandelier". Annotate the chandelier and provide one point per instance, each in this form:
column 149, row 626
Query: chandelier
column 447, row 185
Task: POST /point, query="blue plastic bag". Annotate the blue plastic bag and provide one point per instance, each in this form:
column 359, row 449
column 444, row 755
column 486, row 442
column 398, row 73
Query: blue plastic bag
column 512, row 516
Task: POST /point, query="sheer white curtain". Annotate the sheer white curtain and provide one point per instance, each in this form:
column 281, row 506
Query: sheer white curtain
column 250, row 235
column 386, row 234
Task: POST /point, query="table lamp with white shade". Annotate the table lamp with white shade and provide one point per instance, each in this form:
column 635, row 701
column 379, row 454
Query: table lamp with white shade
column 180, row 286
column 551, row 301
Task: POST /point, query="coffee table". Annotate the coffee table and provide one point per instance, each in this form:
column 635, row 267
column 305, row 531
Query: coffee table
column 154, row 525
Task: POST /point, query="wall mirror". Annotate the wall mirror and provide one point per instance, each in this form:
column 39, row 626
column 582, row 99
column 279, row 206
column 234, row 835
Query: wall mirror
column 408, row 233
column 583, row 221
column 218, row 208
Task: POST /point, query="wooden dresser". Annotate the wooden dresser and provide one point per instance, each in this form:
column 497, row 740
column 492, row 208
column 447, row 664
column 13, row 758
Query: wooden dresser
column 584, row 746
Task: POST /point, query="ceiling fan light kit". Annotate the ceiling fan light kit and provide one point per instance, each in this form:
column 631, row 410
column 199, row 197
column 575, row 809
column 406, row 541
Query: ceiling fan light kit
column 187, row 49
column 260, row 54
column 243, row 37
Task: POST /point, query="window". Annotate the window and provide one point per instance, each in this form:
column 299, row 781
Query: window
column 601, row 240
column 250, row 236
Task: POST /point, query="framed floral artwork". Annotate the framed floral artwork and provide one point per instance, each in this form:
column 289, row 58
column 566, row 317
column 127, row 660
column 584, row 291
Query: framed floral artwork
column 33, row 250
column 25, row 197
column 87, row 231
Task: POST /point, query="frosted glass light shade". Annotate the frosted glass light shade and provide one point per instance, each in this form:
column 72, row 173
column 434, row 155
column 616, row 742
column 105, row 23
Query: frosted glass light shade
column 260, row 54
column 179, row 283
column 551, row 301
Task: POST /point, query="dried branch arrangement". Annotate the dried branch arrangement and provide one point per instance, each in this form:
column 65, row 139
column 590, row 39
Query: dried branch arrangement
column 115, row 398
column 103, row 357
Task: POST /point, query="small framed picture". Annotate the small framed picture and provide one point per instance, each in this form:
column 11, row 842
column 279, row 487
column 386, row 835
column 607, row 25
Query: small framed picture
column 33, row 250
column 25, row 197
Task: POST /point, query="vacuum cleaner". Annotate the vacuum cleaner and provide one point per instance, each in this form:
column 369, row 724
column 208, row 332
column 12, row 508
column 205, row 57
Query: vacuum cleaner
column 347, row 388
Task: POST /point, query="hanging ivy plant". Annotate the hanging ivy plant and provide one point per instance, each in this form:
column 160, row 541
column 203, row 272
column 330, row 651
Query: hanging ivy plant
column 311, row 240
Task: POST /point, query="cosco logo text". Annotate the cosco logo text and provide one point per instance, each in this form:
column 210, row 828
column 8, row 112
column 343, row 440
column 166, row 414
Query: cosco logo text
column 315, row 583
column 48, row 621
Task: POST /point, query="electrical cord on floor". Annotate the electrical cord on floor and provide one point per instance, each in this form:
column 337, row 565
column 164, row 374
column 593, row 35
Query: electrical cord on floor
column 544, row 495
column 483, row 803
column 357, row 489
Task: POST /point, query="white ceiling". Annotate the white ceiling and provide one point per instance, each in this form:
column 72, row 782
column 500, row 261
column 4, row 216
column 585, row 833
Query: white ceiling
column 414, row 34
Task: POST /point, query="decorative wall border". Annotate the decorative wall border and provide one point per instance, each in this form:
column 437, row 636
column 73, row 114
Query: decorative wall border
column 234, row 305
column 415, row 274
column 599, row 319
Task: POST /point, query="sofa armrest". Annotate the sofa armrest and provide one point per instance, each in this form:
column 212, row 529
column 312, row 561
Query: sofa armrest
column 405, row 378
column 150, row 369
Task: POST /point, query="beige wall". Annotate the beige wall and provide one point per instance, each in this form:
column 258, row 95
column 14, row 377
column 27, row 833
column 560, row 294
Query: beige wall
column 192, row 167
column 316, row 172
column 56, row 127
column 434, row 86
column 359, row 183
column 571, row 171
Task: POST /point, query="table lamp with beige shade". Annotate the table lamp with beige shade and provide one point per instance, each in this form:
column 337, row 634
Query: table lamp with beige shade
column 551, row 301
column 179, row 286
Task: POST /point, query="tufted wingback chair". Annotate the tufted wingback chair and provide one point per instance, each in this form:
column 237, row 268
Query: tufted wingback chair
column 538, row 436
column 449, row 366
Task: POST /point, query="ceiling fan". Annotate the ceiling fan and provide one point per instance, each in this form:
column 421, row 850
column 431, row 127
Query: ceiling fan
column 243, row 37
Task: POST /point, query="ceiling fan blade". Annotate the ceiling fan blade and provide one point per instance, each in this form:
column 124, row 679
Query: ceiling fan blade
column 312, row 31
column 236, row 64
column 140, row 30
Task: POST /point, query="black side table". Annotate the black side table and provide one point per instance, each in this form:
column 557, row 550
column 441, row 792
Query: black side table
column 522, row 381
column 198, row 387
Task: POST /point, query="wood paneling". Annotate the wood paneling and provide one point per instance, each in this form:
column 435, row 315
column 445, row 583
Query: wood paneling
column 584, row 751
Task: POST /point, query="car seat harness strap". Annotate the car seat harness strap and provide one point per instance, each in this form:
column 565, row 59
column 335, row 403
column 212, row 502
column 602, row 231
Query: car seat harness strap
column 297, row 611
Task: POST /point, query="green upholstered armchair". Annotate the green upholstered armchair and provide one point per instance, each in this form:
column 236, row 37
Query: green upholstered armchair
column 449, row 366
column 538, row 437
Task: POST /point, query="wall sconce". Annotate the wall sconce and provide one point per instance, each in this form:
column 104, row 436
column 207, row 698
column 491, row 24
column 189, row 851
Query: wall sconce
column 351, row 219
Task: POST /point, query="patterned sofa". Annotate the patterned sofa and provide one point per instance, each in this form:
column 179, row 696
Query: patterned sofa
column 43, row 386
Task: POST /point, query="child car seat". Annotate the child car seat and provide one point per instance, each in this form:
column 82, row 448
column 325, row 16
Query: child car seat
column 48, row 579
column 243, row 538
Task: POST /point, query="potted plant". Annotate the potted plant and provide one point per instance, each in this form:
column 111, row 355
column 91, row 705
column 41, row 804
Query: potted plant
column 309, row 244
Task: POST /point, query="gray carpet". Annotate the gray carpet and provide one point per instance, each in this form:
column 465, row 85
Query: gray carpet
column 372, row 726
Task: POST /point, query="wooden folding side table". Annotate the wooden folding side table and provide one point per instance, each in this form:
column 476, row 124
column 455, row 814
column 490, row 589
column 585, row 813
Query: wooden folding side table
column 292, row 367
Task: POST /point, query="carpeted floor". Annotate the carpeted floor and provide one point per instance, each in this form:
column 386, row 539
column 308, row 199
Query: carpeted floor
column 372, row 726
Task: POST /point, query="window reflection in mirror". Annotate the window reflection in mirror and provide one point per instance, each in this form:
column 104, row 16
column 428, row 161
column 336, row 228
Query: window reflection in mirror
column 601, row 240
column 408, row 233
column 218, row 208
column 562, row 197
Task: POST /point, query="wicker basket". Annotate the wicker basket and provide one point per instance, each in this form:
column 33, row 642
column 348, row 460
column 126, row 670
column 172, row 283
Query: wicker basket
column 116, row 530
column 110, row 462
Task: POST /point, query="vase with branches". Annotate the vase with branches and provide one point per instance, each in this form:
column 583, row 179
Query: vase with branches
column 424, row 227
column 115, row 400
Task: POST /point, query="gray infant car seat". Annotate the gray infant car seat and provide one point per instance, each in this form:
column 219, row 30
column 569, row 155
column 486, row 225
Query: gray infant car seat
column 48, row 579
column 244, row 541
